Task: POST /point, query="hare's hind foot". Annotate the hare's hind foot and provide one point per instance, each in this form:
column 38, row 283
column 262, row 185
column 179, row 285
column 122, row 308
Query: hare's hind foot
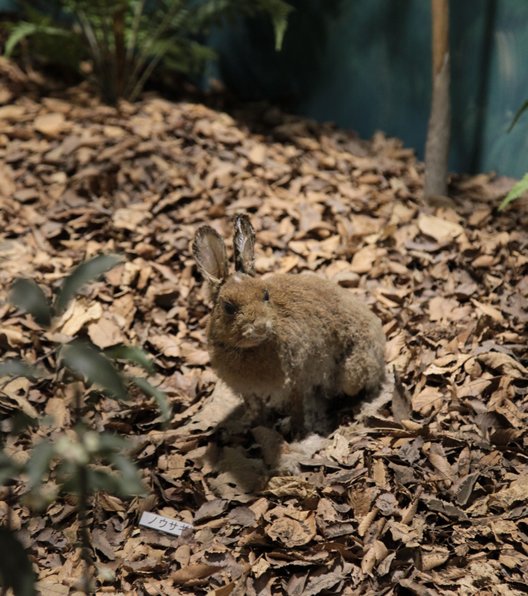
column 284, row 458
column 293, row 454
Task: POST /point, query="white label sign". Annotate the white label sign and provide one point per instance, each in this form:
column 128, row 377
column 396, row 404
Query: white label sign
column 162, row 523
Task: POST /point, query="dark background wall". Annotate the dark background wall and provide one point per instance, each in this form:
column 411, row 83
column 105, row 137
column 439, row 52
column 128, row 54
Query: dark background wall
column 365, row 64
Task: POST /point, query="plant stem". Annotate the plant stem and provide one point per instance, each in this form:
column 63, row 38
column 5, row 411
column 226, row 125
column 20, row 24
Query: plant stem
column 8, row 522
column 118, row 24
column 82, row 472
column 154, row 36
column 438, row 131
column 86, row 555
column 9, row 512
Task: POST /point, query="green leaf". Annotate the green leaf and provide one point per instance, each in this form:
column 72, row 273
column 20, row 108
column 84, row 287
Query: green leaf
column 19, row 368
column 99, row 479
column 157, row 394
column 28, row 296
column 131, row 354
column 129, row 481
column 16, row 570
column 279, row 19
column 81, row 275
column 38, row 463
column 18, row 33
column 518, row 114
column 517, row 190
column 21, row 422
column 84, row 360
column 110, row 443
column 24, row 29
column 68, row 478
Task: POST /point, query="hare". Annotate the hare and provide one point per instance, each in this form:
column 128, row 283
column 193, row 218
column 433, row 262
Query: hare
column 285, row 342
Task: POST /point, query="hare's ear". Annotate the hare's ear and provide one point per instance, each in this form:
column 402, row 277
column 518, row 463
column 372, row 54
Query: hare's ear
column 244, row 245
column 210, row 254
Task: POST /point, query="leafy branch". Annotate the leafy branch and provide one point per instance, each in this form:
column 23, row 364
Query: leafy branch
column 127, row 40
column 83, row 462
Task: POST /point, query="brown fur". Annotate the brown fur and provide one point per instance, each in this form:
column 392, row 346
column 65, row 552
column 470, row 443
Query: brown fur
column 289, row 342
column 313, row 338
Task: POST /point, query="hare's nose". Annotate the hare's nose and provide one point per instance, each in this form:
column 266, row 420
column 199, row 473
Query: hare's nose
column 262, row 324
column 259, row 327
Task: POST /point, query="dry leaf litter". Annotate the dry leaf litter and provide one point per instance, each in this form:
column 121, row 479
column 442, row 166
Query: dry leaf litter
column 424, row 491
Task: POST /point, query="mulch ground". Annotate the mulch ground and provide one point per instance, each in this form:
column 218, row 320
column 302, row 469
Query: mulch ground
column 425, row 491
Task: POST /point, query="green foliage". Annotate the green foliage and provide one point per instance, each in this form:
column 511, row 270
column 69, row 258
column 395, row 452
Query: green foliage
column 159, row 396
column 17, row 368
column 49, row 36
column 81, row 275
column 517, row 190
column 28, row 296
column 130, row 354
column 99, row 454
column 16, row 571
column 518, row 114
column 83, row 359
column 85, row 461
column 38, row 464
column 520, row 187
column 126, row 40
column 20, row 32
column 8, row 468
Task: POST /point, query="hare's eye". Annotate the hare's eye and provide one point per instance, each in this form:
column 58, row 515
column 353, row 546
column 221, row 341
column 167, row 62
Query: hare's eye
column 230, row 308
column 266, row 296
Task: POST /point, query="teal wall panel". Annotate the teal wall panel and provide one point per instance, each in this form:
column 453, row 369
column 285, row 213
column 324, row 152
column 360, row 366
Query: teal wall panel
column 8, row 6
column 365, row 64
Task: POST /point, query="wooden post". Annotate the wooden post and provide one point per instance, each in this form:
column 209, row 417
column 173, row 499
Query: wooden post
column 438, row 132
